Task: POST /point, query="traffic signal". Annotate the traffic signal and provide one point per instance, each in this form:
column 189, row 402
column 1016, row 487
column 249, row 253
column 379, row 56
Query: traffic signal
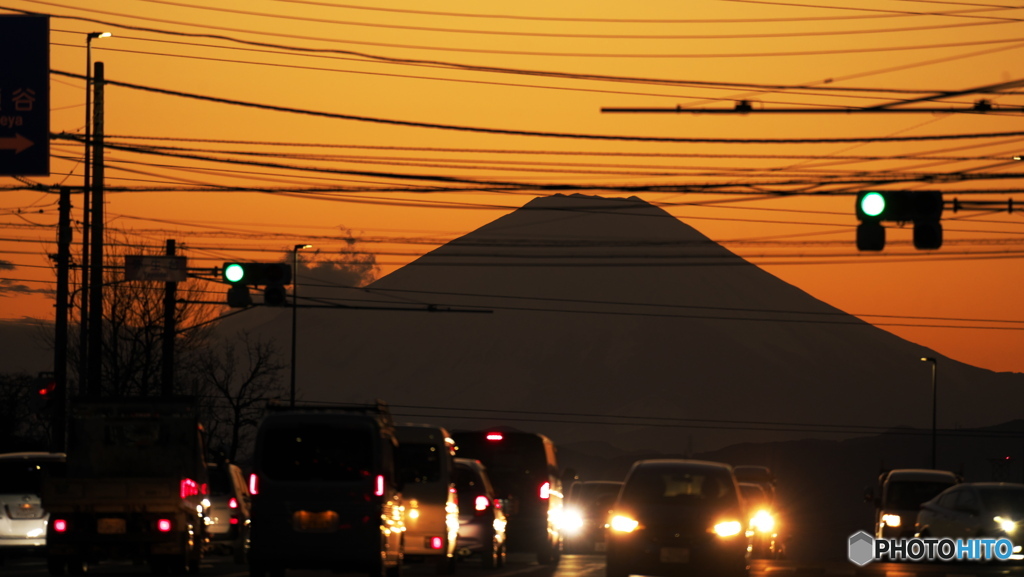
column 45, row 387
column 923, row 208
column 273, row 276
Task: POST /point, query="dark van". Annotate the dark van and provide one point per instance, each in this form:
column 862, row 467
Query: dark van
column 325, row 492
column 524, row 470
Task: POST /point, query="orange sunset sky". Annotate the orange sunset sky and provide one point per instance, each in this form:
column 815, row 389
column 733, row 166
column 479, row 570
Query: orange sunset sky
column 496, row 100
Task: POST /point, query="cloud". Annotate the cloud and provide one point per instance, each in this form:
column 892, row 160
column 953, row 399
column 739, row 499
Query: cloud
column 6, row 265
column 13, row 288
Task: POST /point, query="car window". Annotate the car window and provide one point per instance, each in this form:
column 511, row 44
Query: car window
column 467, row 483
column 661, row 485
column 221, row 483
column 948, row 500
column 421, row 462
column 1004, row 500
column 20, row 477
column 967, row 502
column 317, row 453
column 910, row 494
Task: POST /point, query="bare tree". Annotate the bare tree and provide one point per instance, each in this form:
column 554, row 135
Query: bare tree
column 133, row 328
column 236, row 380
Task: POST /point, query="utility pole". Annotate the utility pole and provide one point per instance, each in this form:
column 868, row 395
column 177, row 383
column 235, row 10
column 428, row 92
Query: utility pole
column 167, row 358
column 60, row 325
column 95, row 366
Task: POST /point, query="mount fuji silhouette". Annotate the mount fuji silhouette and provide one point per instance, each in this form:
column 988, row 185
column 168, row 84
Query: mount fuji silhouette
column 608, row 320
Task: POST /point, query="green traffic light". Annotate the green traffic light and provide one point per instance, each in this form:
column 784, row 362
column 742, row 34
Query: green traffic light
column 872, row 204
column 234, row 272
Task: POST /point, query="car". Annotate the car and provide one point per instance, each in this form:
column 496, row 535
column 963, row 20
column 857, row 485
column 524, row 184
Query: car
column 325, row 492
column 425, row 455
column 900, row 495
column 22, row 517
column 481, row 514
column 762, row 524
column 973, row 510
column 524, row 469
column 586, row 514
column 759, row 475
column 227, row 516
column 677, row 517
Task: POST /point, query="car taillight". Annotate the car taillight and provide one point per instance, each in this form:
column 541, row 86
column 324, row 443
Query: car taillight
column 497, row 503
column 494, row 436
column 164, row 525
column 234, row 520
column 378, row 489
column 254, row 484
column 60, row 525
column 481, row 502
column 232, row 503
column 436, row 543
column 188, row 488
column 545, row 490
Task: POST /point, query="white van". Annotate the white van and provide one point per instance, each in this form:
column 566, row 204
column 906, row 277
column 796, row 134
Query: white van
column 426, row 462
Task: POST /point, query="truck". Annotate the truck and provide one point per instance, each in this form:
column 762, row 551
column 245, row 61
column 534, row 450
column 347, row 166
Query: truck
column 134, row 487
column 899, row 497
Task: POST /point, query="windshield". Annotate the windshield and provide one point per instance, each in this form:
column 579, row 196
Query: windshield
column 421, row 462
column 317, row 453
column 1004, row 500
column 663, row 485
column 910, row 494
column 21, row 477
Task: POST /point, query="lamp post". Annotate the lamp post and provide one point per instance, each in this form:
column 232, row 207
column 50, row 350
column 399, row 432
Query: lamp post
column 295, row 309
column 935, row 371
column 86, row 198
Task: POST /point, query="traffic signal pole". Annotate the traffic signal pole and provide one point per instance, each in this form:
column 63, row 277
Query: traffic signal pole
column 167, row 342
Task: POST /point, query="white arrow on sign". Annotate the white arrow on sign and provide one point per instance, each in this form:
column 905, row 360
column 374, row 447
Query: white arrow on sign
column 17, row 143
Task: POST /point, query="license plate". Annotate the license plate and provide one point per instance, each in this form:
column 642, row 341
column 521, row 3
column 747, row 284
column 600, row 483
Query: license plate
column 110, row 526
column 322, row 522
column 675, row 555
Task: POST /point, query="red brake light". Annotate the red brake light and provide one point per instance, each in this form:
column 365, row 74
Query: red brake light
column 497, row 503
column 254, row 485
column 545, row 490
column 60, row 525
column 436, row 542
column 163, row 525
column 494, row 436
column 233, row 503
column 481, row 502
column 378, row 489
column 234, row 520
column 188, row 488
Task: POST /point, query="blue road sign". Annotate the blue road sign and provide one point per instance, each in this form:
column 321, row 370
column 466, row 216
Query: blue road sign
column 24, row 95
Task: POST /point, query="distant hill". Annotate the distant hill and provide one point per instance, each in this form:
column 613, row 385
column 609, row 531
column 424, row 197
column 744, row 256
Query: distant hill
column 603, row 314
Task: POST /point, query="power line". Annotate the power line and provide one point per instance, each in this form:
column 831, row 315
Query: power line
column 608, row 137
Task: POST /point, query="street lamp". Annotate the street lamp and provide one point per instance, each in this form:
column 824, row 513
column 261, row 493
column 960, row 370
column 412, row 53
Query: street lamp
column 935, row 371
column 295, row 309
column 86, row 198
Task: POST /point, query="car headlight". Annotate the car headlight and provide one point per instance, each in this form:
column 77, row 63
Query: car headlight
column 1005, row 525
column 891, row 520
column 572, row 521
column 623, row 524
column 728, row 528
column 763, row 522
